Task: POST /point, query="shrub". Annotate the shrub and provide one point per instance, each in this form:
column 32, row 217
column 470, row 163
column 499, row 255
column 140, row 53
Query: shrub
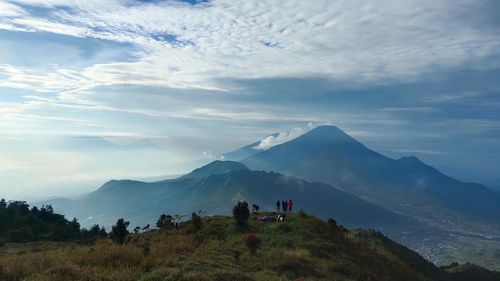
column 252, row 242
column 241, row 213
column 197, row 222
column 119, row 232
column 165, row 222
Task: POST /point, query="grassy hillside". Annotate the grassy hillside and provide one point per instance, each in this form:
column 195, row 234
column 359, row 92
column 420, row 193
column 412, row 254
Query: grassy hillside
column 302, row 248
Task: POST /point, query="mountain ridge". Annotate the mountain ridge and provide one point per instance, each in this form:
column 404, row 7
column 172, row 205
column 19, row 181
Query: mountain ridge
column 329, row 155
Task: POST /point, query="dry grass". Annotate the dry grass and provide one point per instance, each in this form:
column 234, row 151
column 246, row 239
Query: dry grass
column 176, row 256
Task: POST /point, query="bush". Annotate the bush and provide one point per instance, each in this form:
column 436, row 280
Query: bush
column 197, row 222
column 241, row 213
column 165, row 222
column 252, row 242
column 119, row 232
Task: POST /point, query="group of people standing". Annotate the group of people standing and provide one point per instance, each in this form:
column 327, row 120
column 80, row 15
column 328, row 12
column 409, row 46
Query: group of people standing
column 286, row 205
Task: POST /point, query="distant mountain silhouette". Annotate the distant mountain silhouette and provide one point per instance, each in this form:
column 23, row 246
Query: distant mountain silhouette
column 100, row 143
column 407, row 185
column 215, row 188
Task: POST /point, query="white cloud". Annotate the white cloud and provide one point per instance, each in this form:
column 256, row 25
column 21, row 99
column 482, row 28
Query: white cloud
column 344, row 40
column 282, row 137
column 10, row 10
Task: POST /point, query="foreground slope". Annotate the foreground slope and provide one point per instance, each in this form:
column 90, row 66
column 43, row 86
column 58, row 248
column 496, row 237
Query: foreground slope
column 302, row 248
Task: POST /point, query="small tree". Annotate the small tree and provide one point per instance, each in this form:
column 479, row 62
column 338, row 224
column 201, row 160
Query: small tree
column 119, row 232
column 252, row 242
column 241, row 213
column 197, row 222
column 165, row 222
column 98, row 231
column 332, row 222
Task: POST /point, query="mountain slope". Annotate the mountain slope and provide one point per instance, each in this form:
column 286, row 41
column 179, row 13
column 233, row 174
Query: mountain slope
column 245, row 151
column 215, row 188
column 406, row 185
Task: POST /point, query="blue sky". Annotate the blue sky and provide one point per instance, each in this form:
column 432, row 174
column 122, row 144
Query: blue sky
column 81, row 82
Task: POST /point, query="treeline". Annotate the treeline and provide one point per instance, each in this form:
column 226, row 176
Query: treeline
column 20, row 223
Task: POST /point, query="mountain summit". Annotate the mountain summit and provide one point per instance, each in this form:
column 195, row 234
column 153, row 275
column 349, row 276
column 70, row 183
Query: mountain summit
column 216, row 167
column 407, row 185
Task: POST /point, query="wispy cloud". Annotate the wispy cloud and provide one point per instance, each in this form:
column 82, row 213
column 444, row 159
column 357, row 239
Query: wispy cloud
column 315, row 38
column 196, row 74
column 408, row 109
column 285, row 136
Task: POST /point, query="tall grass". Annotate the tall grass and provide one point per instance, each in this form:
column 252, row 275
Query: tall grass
column 302, row 248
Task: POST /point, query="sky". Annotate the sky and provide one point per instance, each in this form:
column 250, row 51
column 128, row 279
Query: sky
column 92, row 90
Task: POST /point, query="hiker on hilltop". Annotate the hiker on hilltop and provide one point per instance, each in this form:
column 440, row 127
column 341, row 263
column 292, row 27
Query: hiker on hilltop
column 284, row 205
column 278, row 203
column 290, row 205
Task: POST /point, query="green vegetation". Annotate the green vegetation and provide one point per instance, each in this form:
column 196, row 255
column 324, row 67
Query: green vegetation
column 20, row 223
column 241, row 213
column 119, row 232
column 468, row 271
column 302, row 248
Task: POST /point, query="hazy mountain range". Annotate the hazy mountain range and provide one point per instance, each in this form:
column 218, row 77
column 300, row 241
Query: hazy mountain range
column 214, row 189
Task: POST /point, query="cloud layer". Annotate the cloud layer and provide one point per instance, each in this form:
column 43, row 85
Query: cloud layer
column 202, row 78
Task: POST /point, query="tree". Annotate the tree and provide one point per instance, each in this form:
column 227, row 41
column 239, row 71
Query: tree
column 74, row 225
column 98, row 231
column 165, row 222
column 119, row 232
column 137, row 229
column 241, row 213
column 197, row 222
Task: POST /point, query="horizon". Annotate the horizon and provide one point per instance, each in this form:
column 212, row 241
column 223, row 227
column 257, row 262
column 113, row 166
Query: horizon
column 97, row 90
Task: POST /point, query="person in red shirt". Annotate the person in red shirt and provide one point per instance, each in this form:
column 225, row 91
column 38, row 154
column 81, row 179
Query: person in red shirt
column 290, row 205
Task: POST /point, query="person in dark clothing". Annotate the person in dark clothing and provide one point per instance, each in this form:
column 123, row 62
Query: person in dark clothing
column 278, row 203
column 284, row 205
column 255, row 208
column 290, row 205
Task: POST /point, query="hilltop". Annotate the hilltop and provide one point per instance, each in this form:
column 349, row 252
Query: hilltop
column 302, row 248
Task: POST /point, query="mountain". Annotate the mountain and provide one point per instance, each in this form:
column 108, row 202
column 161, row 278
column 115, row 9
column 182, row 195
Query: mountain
column 214, row 168
column 465, row 213
column 215, row 188
column 101, row 143
column 406, row 185
column 245, row 151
